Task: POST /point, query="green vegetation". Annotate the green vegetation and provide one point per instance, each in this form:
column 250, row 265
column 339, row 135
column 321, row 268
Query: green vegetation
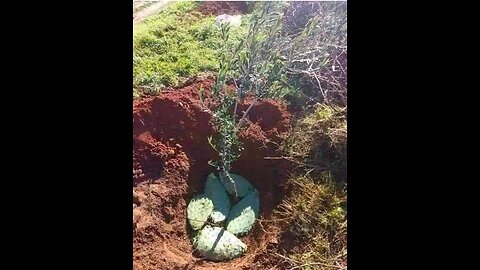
column 317, row 53
column 319, row 141
column 315, row 210
column 315, row 215
column 300, row 55
column 175, row 44
column 270, row 62
column 257, row 66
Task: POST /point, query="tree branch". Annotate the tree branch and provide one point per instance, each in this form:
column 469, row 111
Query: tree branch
column 245, row 114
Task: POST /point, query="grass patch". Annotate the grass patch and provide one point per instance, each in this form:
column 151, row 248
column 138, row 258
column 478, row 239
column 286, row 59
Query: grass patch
column 315, row 216
column 175, row 44
column 319, row 141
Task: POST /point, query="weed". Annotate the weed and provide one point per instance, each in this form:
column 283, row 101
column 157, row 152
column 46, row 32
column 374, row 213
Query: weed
column 319, row 141
column 315, row 215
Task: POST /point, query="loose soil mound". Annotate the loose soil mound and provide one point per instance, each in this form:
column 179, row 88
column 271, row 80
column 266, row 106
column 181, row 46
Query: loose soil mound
column 170, row 156
column 223, row 7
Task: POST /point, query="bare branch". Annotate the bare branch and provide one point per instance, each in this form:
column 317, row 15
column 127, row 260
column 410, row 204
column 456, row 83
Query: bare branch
column 317, row 263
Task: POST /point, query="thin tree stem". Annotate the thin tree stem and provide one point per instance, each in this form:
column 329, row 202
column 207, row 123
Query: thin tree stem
column 245, row 114
column 235, row 111
column 227, row 179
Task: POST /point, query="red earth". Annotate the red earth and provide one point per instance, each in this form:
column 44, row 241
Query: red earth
column 223, row 7
column 170, row 156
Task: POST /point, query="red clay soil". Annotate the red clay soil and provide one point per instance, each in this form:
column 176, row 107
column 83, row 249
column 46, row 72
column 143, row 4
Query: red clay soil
column 170, row 156
column 223, row 7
